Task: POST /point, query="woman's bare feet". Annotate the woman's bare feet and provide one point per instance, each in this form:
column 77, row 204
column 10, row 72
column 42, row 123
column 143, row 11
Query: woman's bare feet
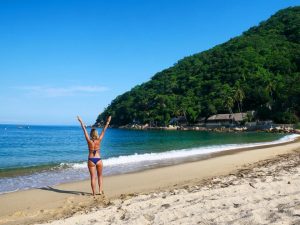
column 101, row 193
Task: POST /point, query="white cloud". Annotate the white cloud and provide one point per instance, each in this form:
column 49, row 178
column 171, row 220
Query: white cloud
column 63, row 91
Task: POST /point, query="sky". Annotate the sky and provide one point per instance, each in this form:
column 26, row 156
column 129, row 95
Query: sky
column 60, row 59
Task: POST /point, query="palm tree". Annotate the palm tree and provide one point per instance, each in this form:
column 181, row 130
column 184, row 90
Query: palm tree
column 239, row 97
column 229, row 104
column 270, row 88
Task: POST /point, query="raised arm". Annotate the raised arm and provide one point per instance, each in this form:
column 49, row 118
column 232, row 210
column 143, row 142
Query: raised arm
column 83, row 128
column 104, row 128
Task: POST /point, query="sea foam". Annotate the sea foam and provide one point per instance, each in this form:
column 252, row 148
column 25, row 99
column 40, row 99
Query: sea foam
column 180, row 154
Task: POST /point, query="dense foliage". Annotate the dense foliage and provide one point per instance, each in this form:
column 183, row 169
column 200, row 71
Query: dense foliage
column 259, row 70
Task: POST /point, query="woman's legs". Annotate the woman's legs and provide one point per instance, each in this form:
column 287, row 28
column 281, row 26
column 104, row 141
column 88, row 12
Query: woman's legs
column 92, row 170
column 99, row 167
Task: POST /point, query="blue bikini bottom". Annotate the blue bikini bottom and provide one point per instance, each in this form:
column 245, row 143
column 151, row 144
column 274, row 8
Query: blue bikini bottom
column 95, row 160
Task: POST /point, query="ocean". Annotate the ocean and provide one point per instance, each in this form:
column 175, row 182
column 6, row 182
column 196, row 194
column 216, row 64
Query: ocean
column 38, row 156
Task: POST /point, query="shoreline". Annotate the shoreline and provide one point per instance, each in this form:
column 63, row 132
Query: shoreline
column 156, row 160
column 274, row 128
column 43, row 204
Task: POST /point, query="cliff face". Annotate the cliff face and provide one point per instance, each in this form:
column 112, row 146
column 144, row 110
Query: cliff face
column 259, row 70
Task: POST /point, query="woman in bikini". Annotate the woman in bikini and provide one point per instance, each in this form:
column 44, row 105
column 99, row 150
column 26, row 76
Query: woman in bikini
column 94, row 159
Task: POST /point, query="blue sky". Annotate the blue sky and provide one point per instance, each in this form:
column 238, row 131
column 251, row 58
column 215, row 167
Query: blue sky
column 60, row 59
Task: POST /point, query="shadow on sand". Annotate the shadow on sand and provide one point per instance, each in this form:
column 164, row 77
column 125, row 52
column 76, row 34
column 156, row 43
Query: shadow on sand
column 48, row 188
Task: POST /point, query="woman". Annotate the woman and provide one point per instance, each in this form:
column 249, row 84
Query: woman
column 94, row 159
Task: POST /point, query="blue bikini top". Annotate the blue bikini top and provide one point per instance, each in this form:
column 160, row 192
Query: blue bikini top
column 94, row 151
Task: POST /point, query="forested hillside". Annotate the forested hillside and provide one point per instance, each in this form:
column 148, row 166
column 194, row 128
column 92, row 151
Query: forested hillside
column 259, row 70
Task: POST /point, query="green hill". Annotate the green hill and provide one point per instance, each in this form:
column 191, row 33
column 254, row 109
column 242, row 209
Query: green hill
column 258, row 70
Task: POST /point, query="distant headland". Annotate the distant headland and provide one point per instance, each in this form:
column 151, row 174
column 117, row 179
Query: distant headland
column 258, row 71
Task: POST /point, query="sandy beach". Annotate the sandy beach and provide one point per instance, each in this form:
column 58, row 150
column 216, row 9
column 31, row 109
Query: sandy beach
column 249, row 186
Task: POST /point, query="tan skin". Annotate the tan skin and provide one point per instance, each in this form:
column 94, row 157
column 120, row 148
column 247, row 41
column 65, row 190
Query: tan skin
column 95, row 170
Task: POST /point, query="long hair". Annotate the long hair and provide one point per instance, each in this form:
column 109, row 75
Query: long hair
column 94, row 134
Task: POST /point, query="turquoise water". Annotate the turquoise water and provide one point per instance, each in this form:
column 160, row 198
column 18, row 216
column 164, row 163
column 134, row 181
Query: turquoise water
column 35, row 156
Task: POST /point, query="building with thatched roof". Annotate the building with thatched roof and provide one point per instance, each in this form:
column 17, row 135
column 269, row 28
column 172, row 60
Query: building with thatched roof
column 226, row 119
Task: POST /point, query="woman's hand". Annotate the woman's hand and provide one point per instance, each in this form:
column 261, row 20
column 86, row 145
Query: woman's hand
column 79, row 119
column 108, row 120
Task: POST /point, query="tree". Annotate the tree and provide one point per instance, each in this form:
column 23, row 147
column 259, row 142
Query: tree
column 239, row 96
